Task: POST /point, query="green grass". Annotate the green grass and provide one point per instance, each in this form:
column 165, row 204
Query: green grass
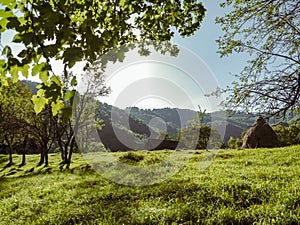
column 260, row 186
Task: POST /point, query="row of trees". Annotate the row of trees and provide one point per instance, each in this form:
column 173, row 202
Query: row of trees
column 24, row 131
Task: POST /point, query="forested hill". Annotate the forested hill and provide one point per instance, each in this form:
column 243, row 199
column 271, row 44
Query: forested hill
column 32, row 85
column 179, row 118
column 142, row 123
column 145, row 122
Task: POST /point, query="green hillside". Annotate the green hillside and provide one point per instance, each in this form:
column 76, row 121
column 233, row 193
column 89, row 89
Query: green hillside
column 258, row 186
column 137, row 124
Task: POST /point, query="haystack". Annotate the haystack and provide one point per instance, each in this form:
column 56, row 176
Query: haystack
column 260, row 135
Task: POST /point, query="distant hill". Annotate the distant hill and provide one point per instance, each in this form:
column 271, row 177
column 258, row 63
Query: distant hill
column 143, row 123
column 137, row 125
column 32, row 85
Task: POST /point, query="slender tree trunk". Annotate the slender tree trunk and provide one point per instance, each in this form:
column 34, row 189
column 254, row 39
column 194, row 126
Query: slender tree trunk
column 24, row 151
column 10, row 149
column 71, row 152
column 61, row 150
column 42, row 157
column 67, row 144
column 66, row 153
column 46, row 158
column 62, row 154
column 23, row 159
column 10, row 156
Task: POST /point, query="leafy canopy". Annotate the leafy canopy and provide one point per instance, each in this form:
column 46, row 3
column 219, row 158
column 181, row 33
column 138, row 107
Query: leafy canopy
column 269, row 31
column 83, row 30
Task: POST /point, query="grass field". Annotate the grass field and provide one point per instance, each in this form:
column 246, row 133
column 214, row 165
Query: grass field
column 260, row 186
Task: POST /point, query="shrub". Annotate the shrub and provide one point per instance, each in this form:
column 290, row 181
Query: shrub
column 235, row 143
column 287, row 135
column 131, row 158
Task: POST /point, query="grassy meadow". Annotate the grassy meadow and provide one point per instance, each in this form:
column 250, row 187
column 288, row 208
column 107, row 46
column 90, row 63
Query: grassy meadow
column 259, row 186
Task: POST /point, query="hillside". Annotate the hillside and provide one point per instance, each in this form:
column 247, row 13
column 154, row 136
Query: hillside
column 137, row 125
column 240, row 187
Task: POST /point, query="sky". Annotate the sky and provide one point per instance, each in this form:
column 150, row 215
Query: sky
column 202, row 49
column 186, row 81
column 203, row 44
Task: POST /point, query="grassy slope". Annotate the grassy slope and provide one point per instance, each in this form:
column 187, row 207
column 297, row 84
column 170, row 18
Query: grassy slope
column 259, row 186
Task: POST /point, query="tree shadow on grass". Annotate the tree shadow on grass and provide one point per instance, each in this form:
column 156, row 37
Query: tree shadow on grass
column 7, row 166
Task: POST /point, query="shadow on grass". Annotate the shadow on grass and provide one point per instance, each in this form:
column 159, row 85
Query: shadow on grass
column 3, row 158
column 7, row 166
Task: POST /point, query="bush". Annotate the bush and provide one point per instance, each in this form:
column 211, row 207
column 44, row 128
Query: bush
column 235, row 143
column 287, row 135
column 131, row 158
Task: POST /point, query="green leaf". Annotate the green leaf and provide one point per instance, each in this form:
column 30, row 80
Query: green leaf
column 13, row 23
column 72, row 55
column 69, row 95
column 56, row 80
column 14, row 70
column 39, row 103
column 17, row 38
column 56, row 107
column 41, row 70
column 74, row 81
column 6, row 50
column 37, row 68
column 3, row 81
column 6, row 2
column 44, row 76
column 37, row 58
column 24, row 70
column 122, row 2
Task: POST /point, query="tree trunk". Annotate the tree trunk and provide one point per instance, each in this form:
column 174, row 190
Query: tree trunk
column 66, row 153
column 42, row 157
column 24, row 151
column 10, row 150
column 23, row 159
column 61, row 149
column 46, row 158
column 71, row 151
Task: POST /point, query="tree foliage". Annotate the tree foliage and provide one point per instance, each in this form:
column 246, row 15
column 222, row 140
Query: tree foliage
column 269, row 31
column 288, row 135
column 235, row 143
column 83, row 30
column 15, row 113
column 200, row 137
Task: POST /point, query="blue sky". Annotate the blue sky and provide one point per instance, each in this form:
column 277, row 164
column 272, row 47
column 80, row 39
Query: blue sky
column 203, row 44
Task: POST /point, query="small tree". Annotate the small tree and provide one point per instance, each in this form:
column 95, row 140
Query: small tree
column 200, row 137
column 43, row 130
column 199, row 120
column 163, row 135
